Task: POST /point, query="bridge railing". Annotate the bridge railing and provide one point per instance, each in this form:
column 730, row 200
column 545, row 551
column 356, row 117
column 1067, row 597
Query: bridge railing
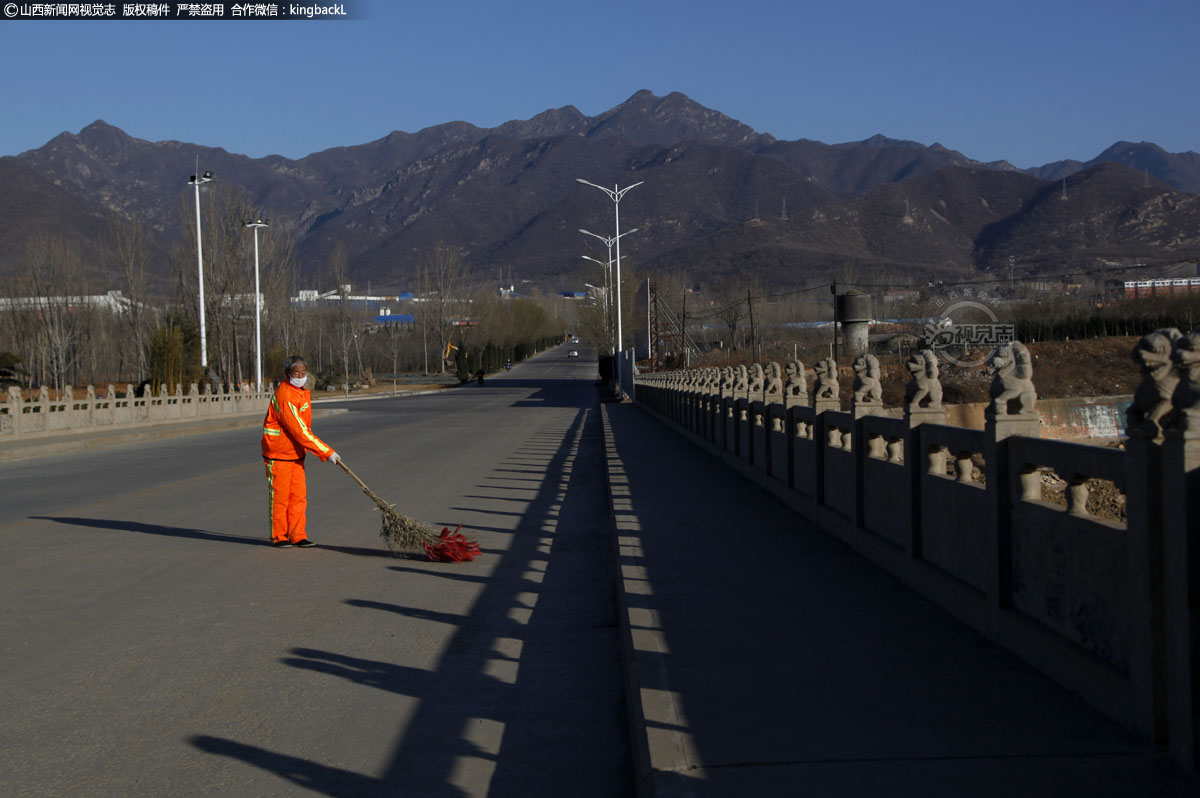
column 43, row 416
column 1104, row 600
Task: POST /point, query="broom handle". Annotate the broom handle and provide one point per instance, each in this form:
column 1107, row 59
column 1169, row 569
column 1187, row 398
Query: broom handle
column 353, row 476
column 370, row 493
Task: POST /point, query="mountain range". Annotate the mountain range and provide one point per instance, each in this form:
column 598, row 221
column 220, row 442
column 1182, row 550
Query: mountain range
column 718, row 199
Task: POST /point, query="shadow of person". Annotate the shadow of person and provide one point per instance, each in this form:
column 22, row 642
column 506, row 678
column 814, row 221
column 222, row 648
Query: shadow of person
column 200, row 534
column 322, row 779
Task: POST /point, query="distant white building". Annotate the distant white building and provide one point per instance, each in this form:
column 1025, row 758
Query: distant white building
column 111, row 301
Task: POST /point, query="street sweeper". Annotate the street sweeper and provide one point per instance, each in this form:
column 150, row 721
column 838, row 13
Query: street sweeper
column 287, row 438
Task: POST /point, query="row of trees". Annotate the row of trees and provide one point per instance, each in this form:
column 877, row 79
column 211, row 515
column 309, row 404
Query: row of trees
column 54, row 331
column 743, row 320
column 51, row 335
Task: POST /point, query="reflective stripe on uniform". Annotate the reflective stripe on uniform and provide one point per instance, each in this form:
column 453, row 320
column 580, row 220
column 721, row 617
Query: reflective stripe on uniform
column 304, row 430
column 270, row 500
column 268, row 431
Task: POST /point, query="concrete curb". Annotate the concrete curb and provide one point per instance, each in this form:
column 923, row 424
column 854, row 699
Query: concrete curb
column 369, row 397
column 666, row 747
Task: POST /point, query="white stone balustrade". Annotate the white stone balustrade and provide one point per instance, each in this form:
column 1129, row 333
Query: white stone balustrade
column 43, row 417
column 1110, row 608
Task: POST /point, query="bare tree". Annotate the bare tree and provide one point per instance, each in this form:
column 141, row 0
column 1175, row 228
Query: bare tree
column 732, row 311
column 20, row 330
column 128, row 250
column 284, row 330
column 229, row 297
column 446, row 274
column 57, row 287
column 424, row 314
column 339, row 266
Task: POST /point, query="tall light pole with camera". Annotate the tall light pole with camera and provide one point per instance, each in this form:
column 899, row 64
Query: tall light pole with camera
column 197, row 182
column 255, row 225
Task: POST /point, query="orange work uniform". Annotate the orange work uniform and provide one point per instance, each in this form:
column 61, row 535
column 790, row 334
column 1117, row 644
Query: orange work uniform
column 287, row 437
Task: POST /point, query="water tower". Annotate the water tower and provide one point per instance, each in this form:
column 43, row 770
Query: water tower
column 854, row 314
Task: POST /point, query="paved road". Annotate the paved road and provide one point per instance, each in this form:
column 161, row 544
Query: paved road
column 153, row 644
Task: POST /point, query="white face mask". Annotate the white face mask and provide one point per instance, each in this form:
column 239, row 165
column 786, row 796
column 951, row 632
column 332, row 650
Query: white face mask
column 298, row 383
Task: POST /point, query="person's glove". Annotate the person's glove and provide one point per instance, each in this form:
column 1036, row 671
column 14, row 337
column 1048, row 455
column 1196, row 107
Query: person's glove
column 333, row 458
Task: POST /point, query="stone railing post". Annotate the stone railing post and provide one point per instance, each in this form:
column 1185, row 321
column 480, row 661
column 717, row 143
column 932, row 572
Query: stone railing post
column 1012, row 412
column 826, row 398
column 91, row 405
column 1181, row 558
column 67, row 402
column 109, row 413
column 1181, row 553
column 43, row 409
column 128, row 413
column 16, row 410
column 1144, row 506
column 1144, row 543
column 922, row 405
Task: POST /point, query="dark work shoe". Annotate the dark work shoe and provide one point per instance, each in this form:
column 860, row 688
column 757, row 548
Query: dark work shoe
column 282, row 544
column 305, row 544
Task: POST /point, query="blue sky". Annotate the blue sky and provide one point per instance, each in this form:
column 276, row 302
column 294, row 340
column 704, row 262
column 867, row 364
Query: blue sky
column 1031, row 82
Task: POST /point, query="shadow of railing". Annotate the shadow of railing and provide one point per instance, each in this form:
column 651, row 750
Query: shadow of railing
column 531, row 668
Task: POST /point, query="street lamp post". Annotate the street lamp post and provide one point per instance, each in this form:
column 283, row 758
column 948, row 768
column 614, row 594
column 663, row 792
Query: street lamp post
column 257, row 304
column 605, row 304
column 609, row 241
column 615, row 194
column 197, row 182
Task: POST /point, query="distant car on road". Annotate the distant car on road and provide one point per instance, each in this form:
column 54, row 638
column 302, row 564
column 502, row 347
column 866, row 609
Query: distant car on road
column 572, row 353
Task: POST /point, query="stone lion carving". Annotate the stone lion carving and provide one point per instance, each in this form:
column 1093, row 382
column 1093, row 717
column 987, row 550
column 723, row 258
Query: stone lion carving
column 756, row 379
column 1012, row 379
column 925, row 385
column 1152, row 399
column 727, row 378
column 827, row 384
column 867, row 389
column 797, row 382
column 774, row 381
column 1186, row 396
column 741, row 379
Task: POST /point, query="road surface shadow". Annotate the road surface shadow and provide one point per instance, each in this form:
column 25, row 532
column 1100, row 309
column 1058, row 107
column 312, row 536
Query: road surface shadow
column 526, row 699
column 321, row 778
column 202, row 534
column 438, row 573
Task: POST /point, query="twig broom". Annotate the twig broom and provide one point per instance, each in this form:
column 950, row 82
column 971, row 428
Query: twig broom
column 400, row 532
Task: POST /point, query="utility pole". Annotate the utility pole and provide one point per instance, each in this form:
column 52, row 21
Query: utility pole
column 683, row 326
column 753, row 338
column 1011, row 287
column 833, row 290
column 652, row 337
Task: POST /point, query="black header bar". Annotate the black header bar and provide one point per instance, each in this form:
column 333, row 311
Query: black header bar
column 176, row 11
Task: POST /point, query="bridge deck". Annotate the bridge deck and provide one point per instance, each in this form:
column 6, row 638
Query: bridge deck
column 767, row 659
